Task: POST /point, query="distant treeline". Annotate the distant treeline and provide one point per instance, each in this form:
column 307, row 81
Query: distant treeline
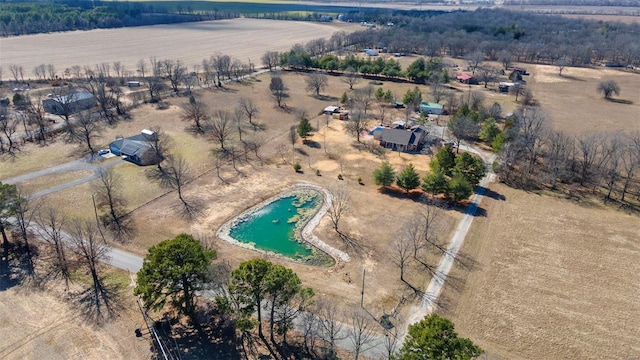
column 521, row 36
column 20, row 18
column 630, row 3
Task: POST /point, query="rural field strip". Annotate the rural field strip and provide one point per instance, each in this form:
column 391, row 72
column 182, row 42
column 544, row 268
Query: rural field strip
column 433, row 291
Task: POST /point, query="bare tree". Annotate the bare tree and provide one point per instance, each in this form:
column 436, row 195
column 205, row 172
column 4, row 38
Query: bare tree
column 17, row 71
column 357, row 123
column 630, row 161
column 390, row 343
column 590, row 148
column 351, row 77
column 487, row 74
column 196, row 113
column 614, row 149
column 250, row 109
column 562, row 63
column 179, row 175
column 221, row 127
column 9, row 126
column 438, row 90
column 340, row 198
column 24, row 213
column 364, row 98
column 100, row 90
column 330, row 324
column 92, row 251
column 401, row 251
column 118, row 67
column 360, row 332
column 36, row 114
column 50, row 225
column 65, row 107
column 475, row 60
column 271, row 59
column 462, row 127
column 142, row 68
column 161, row 145
column 155, row 86
column 506, row 59
column 317, row 82
column 558, row 149
column 608, row 88
column 174, row 70
column 86, row 130
column 278, row 89
column 222, row 66
column 40, row 72
column 76, row 70
column 51, row 70
column 111, row 201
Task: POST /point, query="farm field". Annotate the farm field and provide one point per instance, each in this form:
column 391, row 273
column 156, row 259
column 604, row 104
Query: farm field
column 552, row 279
column 244, row 39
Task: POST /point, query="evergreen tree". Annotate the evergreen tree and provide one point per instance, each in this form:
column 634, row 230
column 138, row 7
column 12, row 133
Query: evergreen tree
column 444, row 161
column 304, row 128
column 470, row 167
column 459, row 189
column 408, row 179
column 435, row 338
column 435, row 183
column 174, row 270
column 384, row 175
column 489, row 131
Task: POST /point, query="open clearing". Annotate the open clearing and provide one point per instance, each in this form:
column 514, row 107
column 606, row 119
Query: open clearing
column 552, row 280
column 39, row 325
column 244, row 39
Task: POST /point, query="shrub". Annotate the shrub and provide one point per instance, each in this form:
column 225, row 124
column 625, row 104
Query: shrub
column 297, row 166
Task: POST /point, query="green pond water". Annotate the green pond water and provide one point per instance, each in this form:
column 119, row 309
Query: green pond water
column 273, row 227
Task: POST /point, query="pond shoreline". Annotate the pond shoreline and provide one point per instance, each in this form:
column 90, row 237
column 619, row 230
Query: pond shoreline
column 306, row 231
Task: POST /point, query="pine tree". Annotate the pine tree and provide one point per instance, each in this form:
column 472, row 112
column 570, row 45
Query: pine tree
column 408, row 179
column 304, row 128
column 384, row 175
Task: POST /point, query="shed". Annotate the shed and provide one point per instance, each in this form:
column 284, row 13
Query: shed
column 505, row 86
column 69, row 103
column 464, row 78
column 133, row 84
column 431, row 108
column 137, row 149
column 331, row 110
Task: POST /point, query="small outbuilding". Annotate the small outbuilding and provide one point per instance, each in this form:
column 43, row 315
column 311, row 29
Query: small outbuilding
column 466, row 78
column 431, row 108
column 137, row 149
column 69, row 103
column 330, row 110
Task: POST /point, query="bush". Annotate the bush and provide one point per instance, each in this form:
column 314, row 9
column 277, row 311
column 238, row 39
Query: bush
column 340, row 177
column 318, row 172
column 360, row 181
column 297, row 166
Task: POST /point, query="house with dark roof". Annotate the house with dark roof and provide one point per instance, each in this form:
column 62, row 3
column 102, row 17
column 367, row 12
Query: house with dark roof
column 137, row 149
column 69, row 104
column 403, row 140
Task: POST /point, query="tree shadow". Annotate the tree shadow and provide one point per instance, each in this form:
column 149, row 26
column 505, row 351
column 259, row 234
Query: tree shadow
column 17, row 268
column 312, row 144
column 573, row 78
column 302, row 152
column 215, row 339
column 620, row 101
column 326, row 97
column 98, row 304
column 490, row 193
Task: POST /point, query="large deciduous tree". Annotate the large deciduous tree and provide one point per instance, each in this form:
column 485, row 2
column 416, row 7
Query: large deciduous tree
column 278, row 89
column 608, row 88
column 174, row 270
column 316, row 82
column 434, row 337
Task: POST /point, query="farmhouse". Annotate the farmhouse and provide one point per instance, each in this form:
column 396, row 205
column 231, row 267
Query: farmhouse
column 69, row 104
column 403, row 140
column 431, row 108
column 137, row 149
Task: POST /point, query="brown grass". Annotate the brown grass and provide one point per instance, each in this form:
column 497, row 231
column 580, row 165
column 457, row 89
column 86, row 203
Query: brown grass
column 244, row 39
column 553, row 280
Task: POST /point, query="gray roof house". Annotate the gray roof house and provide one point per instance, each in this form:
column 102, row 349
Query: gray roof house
column 403, row 140
column 69, row 104
column 137, row 149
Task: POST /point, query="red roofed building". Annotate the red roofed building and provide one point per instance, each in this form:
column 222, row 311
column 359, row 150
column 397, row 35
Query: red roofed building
column 465, row 78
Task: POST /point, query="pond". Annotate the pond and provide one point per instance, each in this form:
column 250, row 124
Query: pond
column 277, row 226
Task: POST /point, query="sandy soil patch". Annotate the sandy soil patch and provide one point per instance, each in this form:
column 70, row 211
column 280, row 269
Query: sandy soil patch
column 244, row 39
column 551, row 280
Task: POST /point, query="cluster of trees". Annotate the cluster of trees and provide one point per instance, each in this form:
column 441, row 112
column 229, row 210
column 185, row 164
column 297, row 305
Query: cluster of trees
column 259, row 293
column 453, row 176
column 501, row 35
column 534, row 155
column 32, row 18
column 69, row 246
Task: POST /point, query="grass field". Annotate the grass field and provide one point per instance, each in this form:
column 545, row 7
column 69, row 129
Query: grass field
column 552, row 279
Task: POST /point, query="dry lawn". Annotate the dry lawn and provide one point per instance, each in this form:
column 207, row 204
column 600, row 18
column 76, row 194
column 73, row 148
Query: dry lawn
column 40, row 325
column 244, row 39
column 552, row 279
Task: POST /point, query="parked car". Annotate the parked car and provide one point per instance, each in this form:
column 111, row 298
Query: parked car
column 103, row 152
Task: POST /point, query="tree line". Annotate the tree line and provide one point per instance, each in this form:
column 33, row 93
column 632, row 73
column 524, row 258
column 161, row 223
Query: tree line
column 501, row 35
column 32, row 18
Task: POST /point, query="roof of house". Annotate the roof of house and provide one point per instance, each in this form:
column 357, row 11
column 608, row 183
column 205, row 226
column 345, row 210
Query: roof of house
column 331, row 109
column 396, row 136
column 64, row 99
column 431, row 105
column 136, row 144
column 464, row 76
